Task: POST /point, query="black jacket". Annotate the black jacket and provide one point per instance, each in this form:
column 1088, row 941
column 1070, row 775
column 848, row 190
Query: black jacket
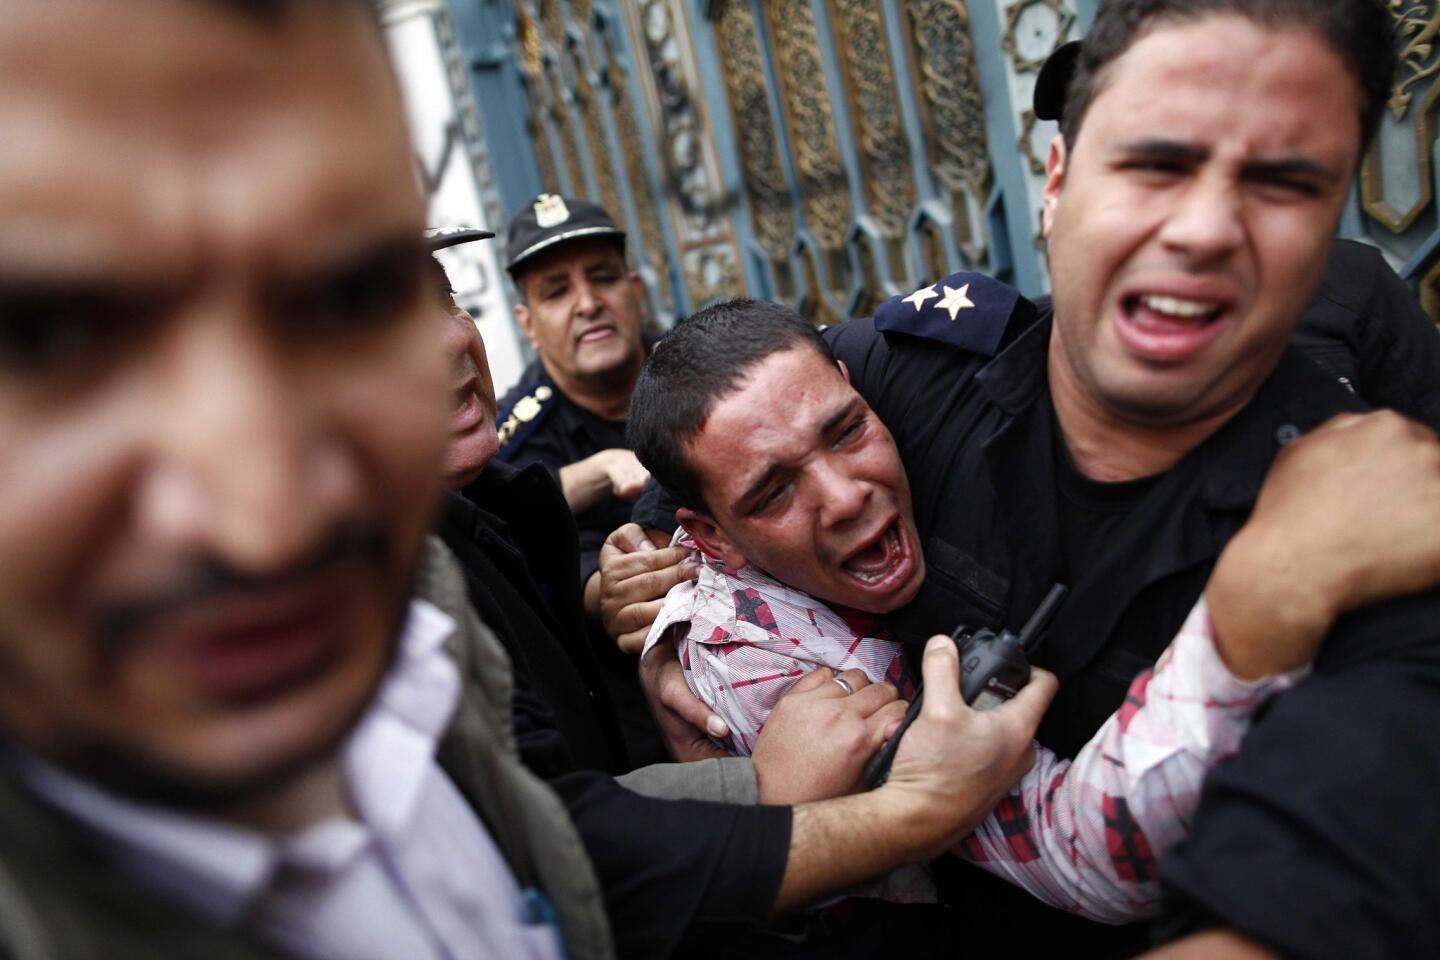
column 1294, row 843
column 523, row 580
column 665, row 866
column 1299, row 842
column 1365, row 328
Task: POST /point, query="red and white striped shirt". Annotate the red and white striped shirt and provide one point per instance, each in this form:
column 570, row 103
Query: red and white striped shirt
column 1082, row 835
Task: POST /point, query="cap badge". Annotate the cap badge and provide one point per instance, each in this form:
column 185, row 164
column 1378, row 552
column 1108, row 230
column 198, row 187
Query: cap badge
column 550, row 210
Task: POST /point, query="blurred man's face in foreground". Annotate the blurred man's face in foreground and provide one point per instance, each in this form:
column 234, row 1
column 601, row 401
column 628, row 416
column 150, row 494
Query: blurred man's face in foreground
column 222, row 398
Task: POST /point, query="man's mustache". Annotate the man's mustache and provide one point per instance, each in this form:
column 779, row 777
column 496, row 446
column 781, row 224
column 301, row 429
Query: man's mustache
column 207, row 579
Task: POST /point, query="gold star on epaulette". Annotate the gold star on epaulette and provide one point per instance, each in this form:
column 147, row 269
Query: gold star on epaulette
column 955, row 301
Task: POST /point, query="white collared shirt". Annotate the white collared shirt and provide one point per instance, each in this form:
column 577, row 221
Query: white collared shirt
column 417, row 877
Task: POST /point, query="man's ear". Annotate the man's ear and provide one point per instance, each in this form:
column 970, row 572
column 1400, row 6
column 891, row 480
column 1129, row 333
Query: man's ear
column 712, row 540
column 844, row 370
column 526, row 320
column 1055, row 165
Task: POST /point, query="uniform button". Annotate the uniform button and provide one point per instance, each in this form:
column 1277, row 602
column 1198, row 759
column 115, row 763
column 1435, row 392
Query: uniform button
column 1286, row 434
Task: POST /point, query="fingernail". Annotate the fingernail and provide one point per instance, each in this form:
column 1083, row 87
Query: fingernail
column 716, row 727
column 936, row 642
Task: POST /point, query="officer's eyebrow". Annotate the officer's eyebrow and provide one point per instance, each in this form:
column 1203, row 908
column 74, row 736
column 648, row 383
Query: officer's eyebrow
column 1157, row 148
column 1180, row 153
column 1292, row 169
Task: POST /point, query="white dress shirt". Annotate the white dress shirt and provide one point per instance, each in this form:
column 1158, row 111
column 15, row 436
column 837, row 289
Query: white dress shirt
column 416, row 877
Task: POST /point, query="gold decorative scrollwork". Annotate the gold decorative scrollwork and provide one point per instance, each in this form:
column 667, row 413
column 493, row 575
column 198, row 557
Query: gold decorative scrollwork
column 532, row 65
column 565, row 131
column 553, row 17
column 598, row 141
column 647, row 212
column 1026, row 16
column 709, row 259
column 1026, row 144
column 1417, row 26
column 764, row 177
column 1430, row 292
column 889, row 182
column 953, row 109
column 529, row 35
column 823, row 184
column 949, row 83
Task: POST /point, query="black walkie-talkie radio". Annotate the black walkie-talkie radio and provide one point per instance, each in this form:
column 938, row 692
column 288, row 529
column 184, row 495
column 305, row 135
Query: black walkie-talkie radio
column 992, row 670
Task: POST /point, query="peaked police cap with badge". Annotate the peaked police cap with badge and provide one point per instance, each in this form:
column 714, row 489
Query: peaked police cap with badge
column 965, row 310
column 549, row 220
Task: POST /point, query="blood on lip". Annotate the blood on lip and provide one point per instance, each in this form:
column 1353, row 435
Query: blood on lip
column 883, row 543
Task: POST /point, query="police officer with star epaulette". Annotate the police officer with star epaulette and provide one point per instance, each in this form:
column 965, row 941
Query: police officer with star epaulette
column 583, row 311
column 1115, row 439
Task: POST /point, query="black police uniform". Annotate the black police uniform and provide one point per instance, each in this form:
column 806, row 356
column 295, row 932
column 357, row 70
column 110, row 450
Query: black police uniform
column 518, row 554
column 538, row 423
column 1365, row 328
column 1322, row 869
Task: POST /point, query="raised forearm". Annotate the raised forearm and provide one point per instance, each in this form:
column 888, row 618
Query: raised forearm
column 585, row 483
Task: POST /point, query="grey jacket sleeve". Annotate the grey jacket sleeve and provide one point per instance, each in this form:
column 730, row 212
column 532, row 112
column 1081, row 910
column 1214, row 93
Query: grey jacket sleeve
column 731, row 780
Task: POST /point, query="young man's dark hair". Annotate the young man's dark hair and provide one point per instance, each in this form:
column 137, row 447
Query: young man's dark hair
column 1360, row 31
column 704, row 358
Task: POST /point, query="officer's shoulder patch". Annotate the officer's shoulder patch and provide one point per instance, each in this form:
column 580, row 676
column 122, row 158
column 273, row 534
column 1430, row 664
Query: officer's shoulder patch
column 965, row 310
column 520, row 419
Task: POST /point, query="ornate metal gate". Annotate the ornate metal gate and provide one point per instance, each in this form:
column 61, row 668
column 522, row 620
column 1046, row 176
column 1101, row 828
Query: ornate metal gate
column 831, row 153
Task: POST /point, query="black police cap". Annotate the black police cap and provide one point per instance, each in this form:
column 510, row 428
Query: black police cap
column 1054, row 81
column 551, row 219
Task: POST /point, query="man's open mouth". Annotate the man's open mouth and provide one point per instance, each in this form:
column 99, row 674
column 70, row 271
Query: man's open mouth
column 881, row 559
column 1166, row 327
column 467, row 408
